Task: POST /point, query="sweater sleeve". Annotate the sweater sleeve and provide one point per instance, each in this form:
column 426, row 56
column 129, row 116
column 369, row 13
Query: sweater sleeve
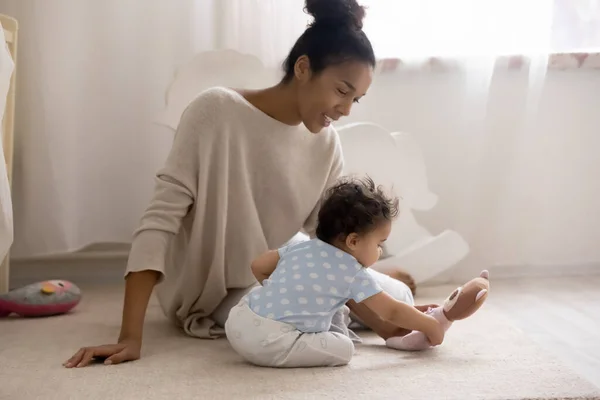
column 176, row 188
column 337, row 167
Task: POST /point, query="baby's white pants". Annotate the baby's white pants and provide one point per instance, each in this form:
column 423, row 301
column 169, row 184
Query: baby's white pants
column 269, row 343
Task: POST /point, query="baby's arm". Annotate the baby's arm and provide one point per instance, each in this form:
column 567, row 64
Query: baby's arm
column 405, row 316
column 264, row 265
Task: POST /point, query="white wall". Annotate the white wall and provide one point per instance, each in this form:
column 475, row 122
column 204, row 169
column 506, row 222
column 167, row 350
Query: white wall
column 523, row 192
column 525, row 195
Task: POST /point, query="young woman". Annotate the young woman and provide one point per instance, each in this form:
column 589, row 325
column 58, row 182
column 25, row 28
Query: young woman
column 244, row 175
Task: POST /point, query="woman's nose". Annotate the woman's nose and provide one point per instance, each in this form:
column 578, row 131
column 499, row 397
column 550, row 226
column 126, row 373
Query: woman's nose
column 344, row 109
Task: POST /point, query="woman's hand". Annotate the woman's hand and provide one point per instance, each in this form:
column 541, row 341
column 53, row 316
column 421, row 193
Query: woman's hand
column 126, row 350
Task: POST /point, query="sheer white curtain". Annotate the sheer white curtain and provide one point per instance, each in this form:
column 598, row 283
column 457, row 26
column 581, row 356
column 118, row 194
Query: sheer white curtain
column 509, row 152
column 93, row 75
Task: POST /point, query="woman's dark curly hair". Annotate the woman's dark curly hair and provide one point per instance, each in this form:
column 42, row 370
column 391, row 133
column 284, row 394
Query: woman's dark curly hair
column 354, row 206
column 334, row 37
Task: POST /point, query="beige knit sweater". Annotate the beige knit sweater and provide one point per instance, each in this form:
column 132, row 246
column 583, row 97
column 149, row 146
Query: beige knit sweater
column 235, row 184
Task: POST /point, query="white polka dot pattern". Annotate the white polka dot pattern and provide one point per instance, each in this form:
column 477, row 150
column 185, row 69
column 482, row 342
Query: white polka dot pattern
column 312, row 280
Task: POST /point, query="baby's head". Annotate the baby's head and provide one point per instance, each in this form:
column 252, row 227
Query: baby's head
column 356, row 216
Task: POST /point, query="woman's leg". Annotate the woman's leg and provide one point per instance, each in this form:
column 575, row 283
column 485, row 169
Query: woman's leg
column 216, row 323
column 233, row 298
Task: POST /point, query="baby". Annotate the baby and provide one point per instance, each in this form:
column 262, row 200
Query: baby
column 286, row 321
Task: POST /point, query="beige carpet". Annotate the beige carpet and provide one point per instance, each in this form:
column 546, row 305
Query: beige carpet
column 483, row 358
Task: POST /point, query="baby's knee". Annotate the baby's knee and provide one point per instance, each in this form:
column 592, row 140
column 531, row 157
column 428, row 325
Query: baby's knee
column 349, row 352
column 344, row 349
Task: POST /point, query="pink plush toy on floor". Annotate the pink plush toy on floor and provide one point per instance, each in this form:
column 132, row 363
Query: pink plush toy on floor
column 40, row 299
column 462, row 303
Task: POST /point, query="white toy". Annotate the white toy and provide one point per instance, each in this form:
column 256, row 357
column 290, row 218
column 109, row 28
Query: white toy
column 395, row 160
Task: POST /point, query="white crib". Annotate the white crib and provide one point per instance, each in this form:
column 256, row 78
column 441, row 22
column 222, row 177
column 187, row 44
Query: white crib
column 8, row 57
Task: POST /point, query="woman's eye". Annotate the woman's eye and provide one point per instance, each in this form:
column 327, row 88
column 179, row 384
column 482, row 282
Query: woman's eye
column 342, row 92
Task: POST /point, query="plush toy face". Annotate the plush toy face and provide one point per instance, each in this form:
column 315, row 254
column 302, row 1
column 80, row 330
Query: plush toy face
column 467, row 299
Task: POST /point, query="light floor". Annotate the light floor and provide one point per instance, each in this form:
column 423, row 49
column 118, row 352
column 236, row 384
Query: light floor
column 561, row 314
column 495, row 346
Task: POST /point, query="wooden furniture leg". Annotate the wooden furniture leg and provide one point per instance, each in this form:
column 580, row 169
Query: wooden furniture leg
column 10, row 27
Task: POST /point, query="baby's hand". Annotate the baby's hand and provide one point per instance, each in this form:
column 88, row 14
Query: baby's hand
column 426, row 307
column 434, row 332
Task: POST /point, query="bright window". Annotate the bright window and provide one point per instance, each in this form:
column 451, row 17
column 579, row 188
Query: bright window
column 424, row 28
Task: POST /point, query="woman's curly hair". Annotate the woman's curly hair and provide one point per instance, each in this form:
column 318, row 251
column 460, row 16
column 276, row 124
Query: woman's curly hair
column 354, row 205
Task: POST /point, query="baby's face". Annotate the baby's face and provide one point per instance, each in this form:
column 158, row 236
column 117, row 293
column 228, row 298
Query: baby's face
column 368, row 248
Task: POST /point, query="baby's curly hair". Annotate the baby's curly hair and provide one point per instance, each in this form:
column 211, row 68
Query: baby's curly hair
column 354, row 205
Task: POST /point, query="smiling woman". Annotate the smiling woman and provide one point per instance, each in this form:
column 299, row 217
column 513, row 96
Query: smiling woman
column 244, row 175
column 329, row 67
column 329, row 61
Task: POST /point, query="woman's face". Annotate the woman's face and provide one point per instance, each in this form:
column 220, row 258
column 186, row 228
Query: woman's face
column 329, row 95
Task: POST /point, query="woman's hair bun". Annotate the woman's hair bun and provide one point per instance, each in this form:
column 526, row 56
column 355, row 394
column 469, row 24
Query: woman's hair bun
column 336, row 12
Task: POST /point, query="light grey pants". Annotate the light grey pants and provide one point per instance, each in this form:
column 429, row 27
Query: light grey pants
column 268, row 343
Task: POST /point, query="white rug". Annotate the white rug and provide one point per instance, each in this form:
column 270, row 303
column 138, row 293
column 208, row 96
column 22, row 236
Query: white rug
column 482, row 358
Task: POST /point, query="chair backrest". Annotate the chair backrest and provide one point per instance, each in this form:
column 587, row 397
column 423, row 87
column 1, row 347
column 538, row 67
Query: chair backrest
column 394, row 161
column 212, row 68
column 369, row 149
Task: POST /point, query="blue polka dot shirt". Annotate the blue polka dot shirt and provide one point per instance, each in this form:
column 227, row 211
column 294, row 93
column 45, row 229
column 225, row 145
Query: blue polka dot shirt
column 311, row 282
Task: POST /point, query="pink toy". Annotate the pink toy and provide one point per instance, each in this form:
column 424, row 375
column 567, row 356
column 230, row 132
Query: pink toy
column 462, row 303
column 40, row 299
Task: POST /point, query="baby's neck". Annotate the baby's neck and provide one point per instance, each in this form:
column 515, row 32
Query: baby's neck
column 341, row 245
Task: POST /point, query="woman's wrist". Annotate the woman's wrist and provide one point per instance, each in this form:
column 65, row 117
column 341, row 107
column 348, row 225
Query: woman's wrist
column 126, row 337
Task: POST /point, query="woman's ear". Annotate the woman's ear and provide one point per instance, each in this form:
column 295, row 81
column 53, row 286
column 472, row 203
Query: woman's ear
column 352, row 241
column 302, row 69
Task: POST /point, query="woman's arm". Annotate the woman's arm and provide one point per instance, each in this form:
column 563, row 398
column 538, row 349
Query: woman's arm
column 174, row 195
column 264, row 265
column 138, row 289
column 175, row 192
